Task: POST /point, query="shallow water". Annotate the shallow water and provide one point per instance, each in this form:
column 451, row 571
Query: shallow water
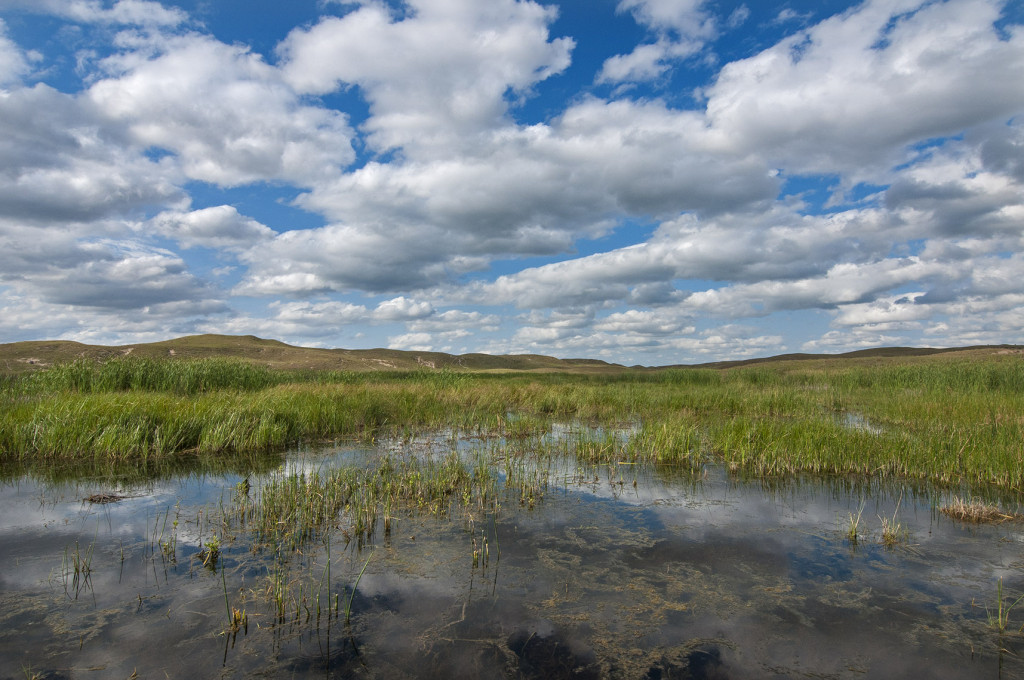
column 704, row 576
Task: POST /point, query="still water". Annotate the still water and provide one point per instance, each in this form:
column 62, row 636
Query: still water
column 617, row 571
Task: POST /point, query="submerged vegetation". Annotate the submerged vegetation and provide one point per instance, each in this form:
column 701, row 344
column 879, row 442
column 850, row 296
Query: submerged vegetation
column 952, row 421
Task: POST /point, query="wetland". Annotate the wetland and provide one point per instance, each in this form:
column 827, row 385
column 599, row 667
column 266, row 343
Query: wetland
column 214, row 519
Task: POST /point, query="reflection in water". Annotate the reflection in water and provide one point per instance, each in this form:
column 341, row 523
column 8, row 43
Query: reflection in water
column 619, row 571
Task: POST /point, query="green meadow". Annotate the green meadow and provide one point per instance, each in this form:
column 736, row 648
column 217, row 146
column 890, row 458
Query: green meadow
column 948, row 419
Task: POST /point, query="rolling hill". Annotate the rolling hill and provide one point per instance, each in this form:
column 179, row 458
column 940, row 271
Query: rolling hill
column 20, row 357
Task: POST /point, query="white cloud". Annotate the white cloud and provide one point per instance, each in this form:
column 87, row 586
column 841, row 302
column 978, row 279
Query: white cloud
column 456, row 320
column 133, row 12
column 224, row 112
column 687, row 17
column 885, row 310
column 848, row 94
column 402, row 309
column 527, row 191
column 108, row 274
column 681, row 26
column 437, row 77
column 63, row 162
column 215, row 227
column 648, row 323
column 378, row 257
column 738, row 17
column 414, row 342
column 13, row 62
column 646, row 62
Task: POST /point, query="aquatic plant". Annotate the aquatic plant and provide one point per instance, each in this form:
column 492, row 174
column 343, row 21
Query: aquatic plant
column 76, row 569
column 893, row 532
column 976, row 511
column 1000, row 618
column 351, row 596
column 210, row 552
column 853, row 527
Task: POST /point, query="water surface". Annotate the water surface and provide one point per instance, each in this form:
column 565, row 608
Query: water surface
column 617, row 571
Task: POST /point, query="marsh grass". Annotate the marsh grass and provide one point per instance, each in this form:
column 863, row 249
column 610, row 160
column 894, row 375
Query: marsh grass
column 355, row 585
column 999, row 618
column 76, row 570
column 977, row 512
column 853, row 530
column 292, row 509
column 894, row 533
column 955, row 422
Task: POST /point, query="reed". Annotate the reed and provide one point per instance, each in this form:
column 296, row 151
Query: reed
column 351, row 596
column 853, row 527
column 76, row 569
column 953, row 422
column 999, row 619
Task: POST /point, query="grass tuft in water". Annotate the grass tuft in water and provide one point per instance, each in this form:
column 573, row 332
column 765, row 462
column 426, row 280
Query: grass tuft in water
column 999, row 619
column 853, row 526
column 351, row 596
column 977, row 512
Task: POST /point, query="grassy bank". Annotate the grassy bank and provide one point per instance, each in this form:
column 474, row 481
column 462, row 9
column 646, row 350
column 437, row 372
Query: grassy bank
column 949, row 420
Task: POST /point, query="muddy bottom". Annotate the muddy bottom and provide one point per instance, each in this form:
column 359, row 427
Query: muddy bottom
column 676, row 577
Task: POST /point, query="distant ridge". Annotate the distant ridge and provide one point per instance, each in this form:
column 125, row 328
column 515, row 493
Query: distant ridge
column 872, row 353
column 19, row 357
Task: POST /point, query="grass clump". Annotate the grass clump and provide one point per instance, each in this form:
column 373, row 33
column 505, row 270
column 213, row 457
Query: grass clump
column 853, row 532
column 294, row 508
column 977, row 512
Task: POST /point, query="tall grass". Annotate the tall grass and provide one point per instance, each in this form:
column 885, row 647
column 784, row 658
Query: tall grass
column 191, row 376
column 953, row 421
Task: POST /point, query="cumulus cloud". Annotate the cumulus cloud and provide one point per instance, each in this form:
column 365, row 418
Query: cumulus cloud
column 456, row 319
column 63, row 162
column 29, row 318
column 107, row 274
column 646, row 62
column 13, row 62
column 220, row 227
column 133, row 12
column 529, row 191
column 777, row 245
column 343, row 258
column 226, row 114
column 435, row 77
column 402, row 309
column 681, row 26
column 322, row 319
column 847, row 95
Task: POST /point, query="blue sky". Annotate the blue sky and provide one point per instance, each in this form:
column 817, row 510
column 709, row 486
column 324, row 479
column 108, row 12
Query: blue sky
column 641, row 181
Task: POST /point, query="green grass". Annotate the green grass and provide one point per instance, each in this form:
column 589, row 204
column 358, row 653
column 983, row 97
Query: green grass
column 999, row 618
column 953, row 421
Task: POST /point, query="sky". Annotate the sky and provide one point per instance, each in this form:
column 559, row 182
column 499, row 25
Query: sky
column 640, row 181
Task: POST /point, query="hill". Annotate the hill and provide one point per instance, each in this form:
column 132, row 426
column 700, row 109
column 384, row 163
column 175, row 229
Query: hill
column 19, row 357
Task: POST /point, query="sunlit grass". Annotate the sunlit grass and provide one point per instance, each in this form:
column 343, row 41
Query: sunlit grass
column 953, row 422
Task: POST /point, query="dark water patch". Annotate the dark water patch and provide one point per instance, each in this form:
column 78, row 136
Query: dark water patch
column 552, row 656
